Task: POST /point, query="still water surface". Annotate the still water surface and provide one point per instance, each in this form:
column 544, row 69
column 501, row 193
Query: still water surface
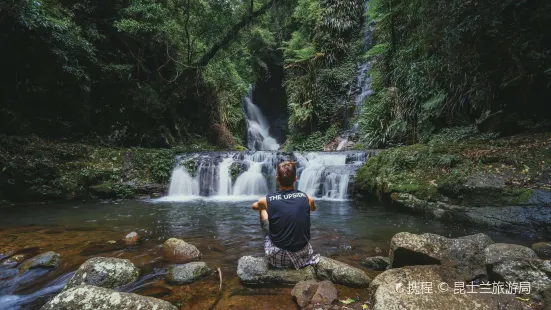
column 222, row 230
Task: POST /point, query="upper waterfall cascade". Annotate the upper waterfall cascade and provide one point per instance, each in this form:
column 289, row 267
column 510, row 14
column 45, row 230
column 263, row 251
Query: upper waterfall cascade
column 247, row 174
column 362, row 87
column 258, row 135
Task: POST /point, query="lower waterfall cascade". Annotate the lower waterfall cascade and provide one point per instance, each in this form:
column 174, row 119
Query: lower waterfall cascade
column 252, row 173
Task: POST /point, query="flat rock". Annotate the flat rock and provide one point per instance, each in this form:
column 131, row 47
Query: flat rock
column 498, row 252
column 93, row 297
column 536, row 272
column 379, row 263
column 542, row 249
column 255, row 270
column 104, row 272
column 315, row 293
column 45, row 260
column 186, row 273
column 179, row 251
column 340, row 273
column 401, row 288
column 465, row 253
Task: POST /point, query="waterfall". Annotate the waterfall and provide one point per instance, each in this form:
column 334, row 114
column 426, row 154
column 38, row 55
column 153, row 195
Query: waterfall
column 238, row 175
column 251, row 182
column 225, row 179
column 258, row 136
column 363, row 80
column 182, row 184
column 324, row 175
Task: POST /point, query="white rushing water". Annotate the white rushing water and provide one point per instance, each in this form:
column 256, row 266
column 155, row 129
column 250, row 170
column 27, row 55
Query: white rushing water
column 258, row 136
column 321, row 175
column 315, row 179
column 182, row 183
column 252, row 182
column 363, row 80
column 225, row 178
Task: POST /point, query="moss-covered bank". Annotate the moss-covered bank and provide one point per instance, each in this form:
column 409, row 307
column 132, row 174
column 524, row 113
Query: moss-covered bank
column 480, row 179
column 34, row 169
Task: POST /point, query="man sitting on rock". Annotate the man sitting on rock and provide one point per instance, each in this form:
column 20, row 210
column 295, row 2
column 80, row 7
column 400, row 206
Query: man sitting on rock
column 285, row 221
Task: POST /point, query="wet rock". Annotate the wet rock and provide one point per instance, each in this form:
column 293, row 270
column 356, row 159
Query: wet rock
column 255, row 270
column 315, row 293
column 131, row 238
column 466, row 253
column 376, row 263
column 187, row 273
column 179, row 251
column 45, row 260
column 151, row 190
column 401, row 288
column 340, row 273
column 92, row 297
column 13, row 260
column 104, row 272
column 498, row 252
column 542, row 249
column 536, row 272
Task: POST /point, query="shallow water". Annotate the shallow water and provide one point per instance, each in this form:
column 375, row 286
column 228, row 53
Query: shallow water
column 222, row 230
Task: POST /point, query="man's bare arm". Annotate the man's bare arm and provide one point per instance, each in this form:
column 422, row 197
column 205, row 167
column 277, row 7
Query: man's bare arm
column 312, row 203
column 261, row 204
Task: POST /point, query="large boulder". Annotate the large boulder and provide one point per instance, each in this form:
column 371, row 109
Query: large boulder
column 255, row 270
column 315, row 293
column 536, row 272
column 543, row 249
column 93, row 297
column 499, row 252
column 340, row 273
column 105, row 272
column 46, row 260
column 187, row 273
column 179, row 251
column 431, row 287
column 379, row 263
column 466, row 253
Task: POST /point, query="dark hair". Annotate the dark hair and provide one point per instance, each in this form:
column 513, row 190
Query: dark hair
column 286, row 173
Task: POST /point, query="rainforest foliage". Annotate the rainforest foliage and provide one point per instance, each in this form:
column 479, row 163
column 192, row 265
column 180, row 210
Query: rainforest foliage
column 140, row 72
column 440, row 64
column 164, row 73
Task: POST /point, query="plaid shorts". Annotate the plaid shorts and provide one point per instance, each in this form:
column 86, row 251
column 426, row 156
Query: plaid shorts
column 283, row 259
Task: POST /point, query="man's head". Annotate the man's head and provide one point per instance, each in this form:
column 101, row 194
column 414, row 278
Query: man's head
column 286, row 173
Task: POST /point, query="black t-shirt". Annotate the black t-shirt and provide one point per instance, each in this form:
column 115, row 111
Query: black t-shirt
column 289, row 217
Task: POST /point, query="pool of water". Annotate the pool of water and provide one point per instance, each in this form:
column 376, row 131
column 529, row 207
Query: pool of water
column 222, row 230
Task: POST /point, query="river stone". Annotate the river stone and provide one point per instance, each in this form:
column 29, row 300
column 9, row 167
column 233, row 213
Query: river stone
column 543, row 249
column 131, row 238
column 313, row 292
column 105, row 272
column 379, row 263
column 187, row 273
column 466, row 253
column 93, row 297
column 179, row 251
column 340, row 273
column 537, row 272
column 255, row 270
column 498, row 252
column 45, row 260
column 400, row 288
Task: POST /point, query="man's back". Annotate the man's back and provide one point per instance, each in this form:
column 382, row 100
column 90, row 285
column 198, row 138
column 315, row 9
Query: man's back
column 289, row 217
